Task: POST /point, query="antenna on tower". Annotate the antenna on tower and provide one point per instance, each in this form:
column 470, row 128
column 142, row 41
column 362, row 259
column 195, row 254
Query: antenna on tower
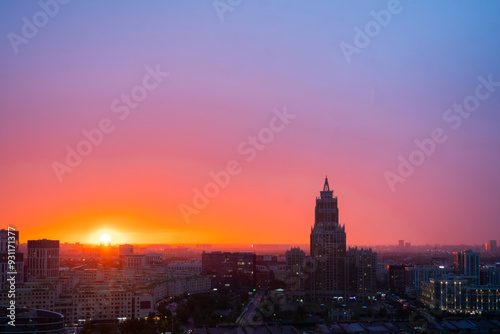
column 326, row 187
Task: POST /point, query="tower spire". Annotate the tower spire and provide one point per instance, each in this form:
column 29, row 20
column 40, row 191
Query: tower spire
column 326, row 187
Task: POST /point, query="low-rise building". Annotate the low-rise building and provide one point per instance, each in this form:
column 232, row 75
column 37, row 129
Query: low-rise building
column 102, row 294
column 193, row 267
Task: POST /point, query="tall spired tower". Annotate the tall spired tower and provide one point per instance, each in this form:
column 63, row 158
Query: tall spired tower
column 328, row 249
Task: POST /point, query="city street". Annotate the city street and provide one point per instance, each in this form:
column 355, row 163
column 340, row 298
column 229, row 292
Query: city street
column 250, row 310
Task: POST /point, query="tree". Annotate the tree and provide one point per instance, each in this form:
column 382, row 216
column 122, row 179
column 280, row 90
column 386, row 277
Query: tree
column 382, row 314
column 301, row 313
column 162, row 308
column 106, row 329
column 137, row 326
column 87, row 328
column 151, row 319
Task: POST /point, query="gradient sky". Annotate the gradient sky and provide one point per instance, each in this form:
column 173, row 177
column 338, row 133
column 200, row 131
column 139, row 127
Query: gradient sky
column 352, row 120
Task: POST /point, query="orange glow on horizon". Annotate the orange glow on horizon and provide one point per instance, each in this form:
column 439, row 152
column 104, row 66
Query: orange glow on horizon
column 253, row 209
column 107, row 236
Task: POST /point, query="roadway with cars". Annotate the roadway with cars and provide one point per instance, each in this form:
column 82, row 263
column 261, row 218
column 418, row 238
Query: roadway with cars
column 246, row 317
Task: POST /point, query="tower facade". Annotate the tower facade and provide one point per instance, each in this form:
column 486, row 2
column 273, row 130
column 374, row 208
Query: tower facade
column 467, row 263
column 362, row 274
column 9, row 250
column 328, row 249
column 43, row 258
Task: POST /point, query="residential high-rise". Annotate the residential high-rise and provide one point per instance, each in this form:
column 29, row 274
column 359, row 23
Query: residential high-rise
column 414, row 276
column 490, row 275
column 458, row 263
column 396, row 278
column 10, row 251
column 296, row 276
column 491, row 246
column 295, row 257
column 471, row 263
column 230, row 271
column 467, row 263
column 43, row 258
column 125, row 250
column 328, row 249
column 362, row 273
column 6, row 244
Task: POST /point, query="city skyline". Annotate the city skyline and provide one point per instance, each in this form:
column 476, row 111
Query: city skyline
column 186, row 123
column 105, row 237
column 114, row 237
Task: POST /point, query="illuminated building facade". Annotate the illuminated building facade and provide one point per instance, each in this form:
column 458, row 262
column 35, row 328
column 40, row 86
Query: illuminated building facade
column 230, row 271
column 362, row 274
column 466, row 263
column 460, row 294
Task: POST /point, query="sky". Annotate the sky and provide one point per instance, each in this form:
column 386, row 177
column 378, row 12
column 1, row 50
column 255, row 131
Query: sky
column 217, row 121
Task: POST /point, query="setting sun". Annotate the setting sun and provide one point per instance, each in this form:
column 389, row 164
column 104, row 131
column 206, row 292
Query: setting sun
column 105, row 238
column 106, row 235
